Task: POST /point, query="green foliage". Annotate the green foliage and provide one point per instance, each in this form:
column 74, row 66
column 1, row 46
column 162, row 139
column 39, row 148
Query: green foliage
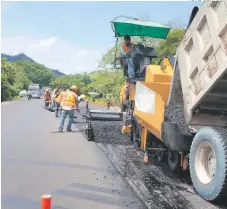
column 8, row 75
column 9, row 71
column 17, row 76
column 168, row 47
column 107, row 84
column 66, row 81
column 36, row 73
column 22, row 81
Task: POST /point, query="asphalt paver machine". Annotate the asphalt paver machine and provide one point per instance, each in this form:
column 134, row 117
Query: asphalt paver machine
column 179, row 107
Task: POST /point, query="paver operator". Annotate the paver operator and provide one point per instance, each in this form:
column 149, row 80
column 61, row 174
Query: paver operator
column 126, row 47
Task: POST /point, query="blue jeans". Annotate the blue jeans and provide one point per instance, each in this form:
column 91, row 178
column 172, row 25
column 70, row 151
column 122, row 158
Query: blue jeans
column 54, row 104
column 64, row 114
column 57, row 109
column 131, row 67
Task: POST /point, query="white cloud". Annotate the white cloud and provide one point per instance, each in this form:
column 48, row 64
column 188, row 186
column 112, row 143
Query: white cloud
column 48, row 42
column 54, row 53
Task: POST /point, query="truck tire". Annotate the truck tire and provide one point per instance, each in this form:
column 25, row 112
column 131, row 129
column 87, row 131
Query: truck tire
column 208, row 163
column 89, row 134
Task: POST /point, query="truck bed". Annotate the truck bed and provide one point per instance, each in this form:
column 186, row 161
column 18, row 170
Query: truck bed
column 202, row 61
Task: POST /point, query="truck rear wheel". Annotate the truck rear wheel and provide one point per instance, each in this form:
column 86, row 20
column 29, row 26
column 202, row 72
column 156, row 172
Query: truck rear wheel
column 89, row 131
column 208, row 163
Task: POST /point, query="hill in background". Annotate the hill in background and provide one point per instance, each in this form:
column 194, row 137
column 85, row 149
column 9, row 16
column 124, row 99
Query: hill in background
column 24, row 57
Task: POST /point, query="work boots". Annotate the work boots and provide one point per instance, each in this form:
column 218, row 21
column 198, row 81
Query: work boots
column 69, row 129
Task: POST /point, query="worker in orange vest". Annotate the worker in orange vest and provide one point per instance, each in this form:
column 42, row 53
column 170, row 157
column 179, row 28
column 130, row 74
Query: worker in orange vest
column 55, row 95
column 124, row 97
column 69, row 104
column 58, row 101
column 126, row 48
column 47, row 98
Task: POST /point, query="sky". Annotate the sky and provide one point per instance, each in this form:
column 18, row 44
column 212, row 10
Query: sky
column 72, row 36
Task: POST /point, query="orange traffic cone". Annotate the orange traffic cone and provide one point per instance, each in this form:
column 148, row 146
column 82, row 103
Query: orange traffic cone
column 46, row 201
column 145, row 158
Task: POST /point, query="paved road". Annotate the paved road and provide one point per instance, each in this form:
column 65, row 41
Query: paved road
column 36, row 159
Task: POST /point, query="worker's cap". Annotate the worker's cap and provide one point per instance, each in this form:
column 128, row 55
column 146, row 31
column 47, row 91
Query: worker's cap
column 82, row 96
column 74, row 88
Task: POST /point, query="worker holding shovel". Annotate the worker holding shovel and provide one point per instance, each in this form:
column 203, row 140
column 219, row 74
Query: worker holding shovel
column 69, row 104
column 47, row 98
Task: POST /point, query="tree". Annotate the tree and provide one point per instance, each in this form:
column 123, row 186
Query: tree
column 168, row 47
column 8, row 74
column 18, row 75
column 37, row 73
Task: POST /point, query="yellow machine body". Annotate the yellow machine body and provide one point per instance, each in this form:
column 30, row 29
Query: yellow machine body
column 158, row 80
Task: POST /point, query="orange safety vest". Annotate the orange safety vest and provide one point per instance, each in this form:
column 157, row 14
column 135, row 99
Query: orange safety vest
column 70, row 99
column 123, row 95
column 124, row 46
column 60, row 97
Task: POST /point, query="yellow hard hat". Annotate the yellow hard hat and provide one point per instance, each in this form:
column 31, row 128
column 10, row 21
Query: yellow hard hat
column 82, row 96
column 73, row 88
column 67, row 90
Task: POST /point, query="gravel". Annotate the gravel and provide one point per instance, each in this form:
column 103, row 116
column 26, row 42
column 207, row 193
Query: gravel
column 175, row 109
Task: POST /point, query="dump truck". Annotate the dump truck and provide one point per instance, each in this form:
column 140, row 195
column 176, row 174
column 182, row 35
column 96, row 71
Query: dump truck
column 34, row 91
column 178, row 108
